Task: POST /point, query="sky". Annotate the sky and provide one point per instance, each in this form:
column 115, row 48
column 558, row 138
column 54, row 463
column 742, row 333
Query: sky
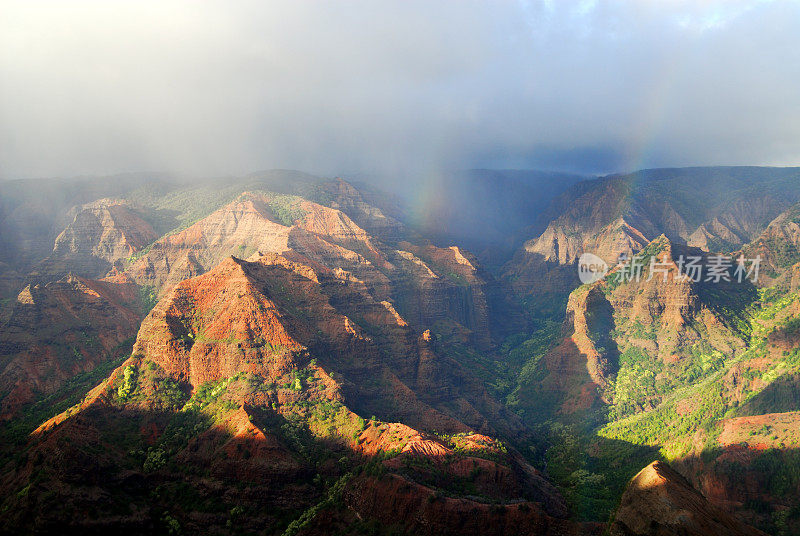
column 395, row 89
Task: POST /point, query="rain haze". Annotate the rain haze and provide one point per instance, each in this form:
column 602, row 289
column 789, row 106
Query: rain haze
column 395, row 88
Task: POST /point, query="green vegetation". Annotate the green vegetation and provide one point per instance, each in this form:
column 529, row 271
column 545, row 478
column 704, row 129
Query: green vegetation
column 591, row 472
column 330, row 419
column 148, row 297
column 695, row 399
column 15, row 432
column 332, row 499
column 462, row 444
column 635, row 384
column 146, row 383
column 524, row 353
column 285, row 208
column 437, row 476
column 496, row 370
column 171, row 210
column 210, row 392
column 183, row 427
column 139, row 254
column 128, row 383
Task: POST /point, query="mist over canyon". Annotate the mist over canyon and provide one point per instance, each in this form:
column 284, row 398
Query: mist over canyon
column 400, row 268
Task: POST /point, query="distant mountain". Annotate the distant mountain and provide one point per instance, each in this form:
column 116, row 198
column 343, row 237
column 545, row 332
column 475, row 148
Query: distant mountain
column 34, row 212
column 101, row 236
column 717, row 209
column 779, row 248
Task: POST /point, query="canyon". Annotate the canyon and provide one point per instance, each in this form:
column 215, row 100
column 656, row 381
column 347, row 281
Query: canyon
column 285, row 354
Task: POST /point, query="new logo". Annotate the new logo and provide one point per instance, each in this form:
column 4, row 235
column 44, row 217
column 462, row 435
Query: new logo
column 591, row 268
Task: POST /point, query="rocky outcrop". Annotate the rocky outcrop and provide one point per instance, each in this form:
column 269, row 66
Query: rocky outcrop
column 214, row 326
column 441, row 285
column 660, row 502
column 270, row 314
column 591, row 221
column 660, row 315
column 364, row 209
column 102, row 235
column 427, row 284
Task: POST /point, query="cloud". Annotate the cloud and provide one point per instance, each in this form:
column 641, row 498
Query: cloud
column 395, row 88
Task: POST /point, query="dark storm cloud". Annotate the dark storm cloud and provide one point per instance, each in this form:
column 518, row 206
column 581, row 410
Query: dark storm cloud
column 395, row 88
